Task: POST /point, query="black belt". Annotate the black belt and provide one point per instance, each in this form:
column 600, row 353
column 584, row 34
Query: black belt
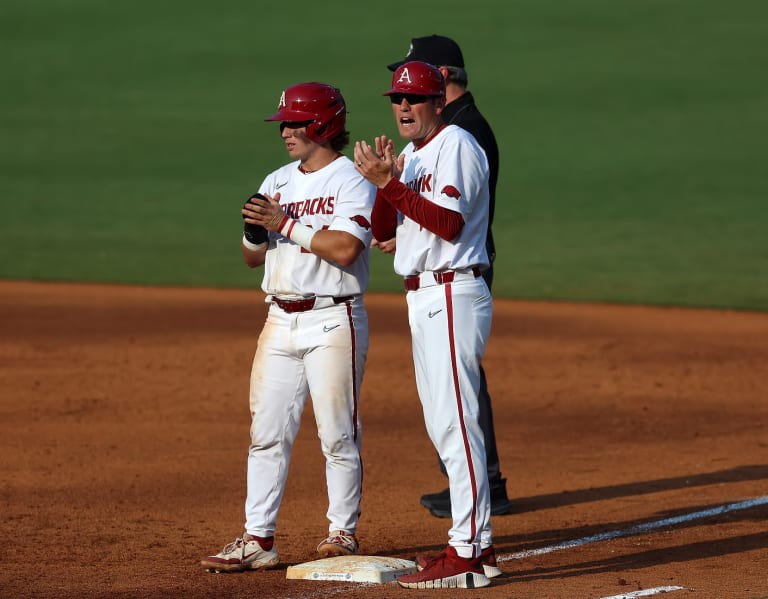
column 413, row 282
column 302, row 305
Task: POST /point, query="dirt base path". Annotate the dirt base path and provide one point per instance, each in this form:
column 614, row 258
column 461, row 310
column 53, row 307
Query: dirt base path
column 634, row 441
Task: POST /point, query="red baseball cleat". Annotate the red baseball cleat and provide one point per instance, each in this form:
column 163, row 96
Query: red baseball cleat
column 447, row 571
column 487, row 557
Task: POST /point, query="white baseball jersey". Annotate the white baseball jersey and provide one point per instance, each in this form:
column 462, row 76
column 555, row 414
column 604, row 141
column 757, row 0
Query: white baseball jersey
column 451, row 170
column 335, row 197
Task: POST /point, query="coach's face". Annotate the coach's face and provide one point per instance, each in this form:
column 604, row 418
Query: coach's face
column 417, row 117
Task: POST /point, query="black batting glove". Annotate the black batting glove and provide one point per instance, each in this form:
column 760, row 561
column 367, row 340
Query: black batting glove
column 255, row 234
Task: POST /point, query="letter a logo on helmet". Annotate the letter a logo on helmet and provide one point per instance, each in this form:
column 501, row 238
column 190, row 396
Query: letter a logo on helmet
column 319, row 105
column 417, row 78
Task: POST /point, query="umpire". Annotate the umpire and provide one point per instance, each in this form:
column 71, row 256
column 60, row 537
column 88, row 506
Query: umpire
column 460, row 110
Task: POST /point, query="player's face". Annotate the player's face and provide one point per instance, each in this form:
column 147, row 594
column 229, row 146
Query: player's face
column 299, row 146
column 417, row 117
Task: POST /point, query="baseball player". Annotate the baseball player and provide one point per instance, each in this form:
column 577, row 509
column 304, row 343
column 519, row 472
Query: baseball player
column 433, row 199
column 309, row 226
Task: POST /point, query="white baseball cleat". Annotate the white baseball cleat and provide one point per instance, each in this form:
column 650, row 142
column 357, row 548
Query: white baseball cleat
column 339, row 542
column 242, row 554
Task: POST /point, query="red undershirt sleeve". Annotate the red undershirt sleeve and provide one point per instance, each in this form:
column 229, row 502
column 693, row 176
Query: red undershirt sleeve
column 441, row 221
column 383, row 219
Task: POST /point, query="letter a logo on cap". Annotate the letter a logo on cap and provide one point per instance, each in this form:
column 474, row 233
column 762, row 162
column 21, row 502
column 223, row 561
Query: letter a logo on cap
column 405, row 76
column 281, row 103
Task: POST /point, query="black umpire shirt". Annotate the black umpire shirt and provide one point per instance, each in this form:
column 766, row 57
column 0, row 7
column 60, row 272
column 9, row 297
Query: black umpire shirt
column 463, row 113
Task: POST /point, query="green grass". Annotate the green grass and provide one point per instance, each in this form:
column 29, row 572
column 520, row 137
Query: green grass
column 632, row 136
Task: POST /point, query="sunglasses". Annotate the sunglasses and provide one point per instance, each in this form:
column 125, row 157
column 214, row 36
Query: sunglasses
column 293, row 125
column 410, row 98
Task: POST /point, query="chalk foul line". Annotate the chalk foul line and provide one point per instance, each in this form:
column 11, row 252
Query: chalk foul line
column 637, row 529
column 645, row 592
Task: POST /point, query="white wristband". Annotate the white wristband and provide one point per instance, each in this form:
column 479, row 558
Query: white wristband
column 298, row 233
column 254, row 247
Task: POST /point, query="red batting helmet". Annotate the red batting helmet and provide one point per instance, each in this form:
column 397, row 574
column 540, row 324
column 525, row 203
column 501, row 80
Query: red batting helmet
column 419, row 78
column 318, row 104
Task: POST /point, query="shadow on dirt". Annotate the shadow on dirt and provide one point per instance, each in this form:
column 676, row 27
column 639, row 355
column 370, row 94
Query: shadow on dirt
column 554, row 500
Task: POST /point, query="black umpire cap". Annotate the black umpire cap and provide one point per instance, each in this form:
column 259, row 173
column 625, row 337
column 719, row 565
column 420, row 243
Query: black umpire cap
column 436, row 50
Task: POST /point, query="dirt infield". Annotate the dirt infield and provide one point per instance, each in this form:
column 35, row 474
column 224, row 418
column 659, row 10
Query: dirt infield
column 621, row 430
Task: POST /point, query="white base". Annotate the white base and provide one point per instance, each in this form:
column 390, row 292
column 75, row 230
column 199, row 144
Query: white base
column 353, row 568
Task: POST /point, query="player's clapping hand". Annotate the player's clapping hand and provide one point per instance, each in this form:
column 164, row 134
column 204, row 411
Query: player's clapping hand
column 264, row 211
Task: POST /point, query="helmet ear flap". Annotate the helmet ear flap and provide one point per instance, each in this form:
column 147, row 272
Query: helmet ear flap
column 315, row 131
column 328, row 125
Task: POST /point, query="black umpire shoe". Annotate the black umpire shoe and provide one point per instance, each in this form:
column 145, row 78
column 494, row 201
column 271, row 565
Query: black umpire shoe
column 439, row 504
